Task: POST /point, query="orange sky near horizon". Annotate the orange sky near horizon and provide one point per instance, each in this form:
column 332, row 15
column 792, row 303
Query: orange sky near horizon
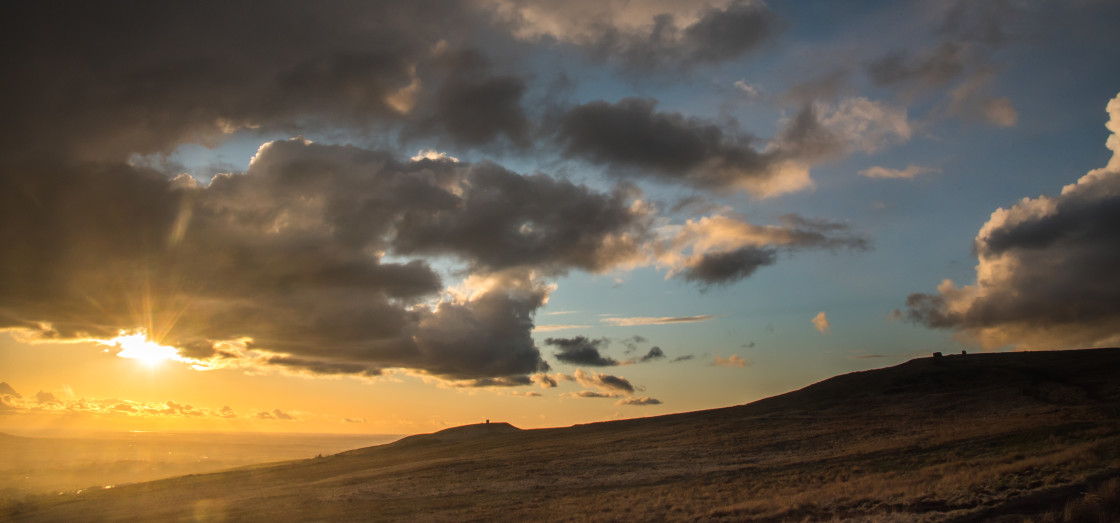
column 99, row 391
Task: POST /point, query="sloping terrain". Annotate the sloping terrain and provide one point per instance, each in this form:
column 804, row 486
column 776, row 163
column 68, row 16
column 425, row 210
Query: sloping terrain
column 964, row 438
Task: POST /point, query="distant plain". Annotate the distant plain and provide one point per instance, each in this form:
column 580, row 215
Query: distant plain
column 77, row 461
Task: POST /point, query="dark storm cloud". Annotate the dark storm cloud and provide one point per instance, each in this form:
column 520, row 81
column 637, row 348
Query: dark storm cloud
column 722, row 34
column 581, row 351
column 730, row 266
column 631, row 134
column 1047, row 269
column 633, row 139
column 475, row 106
column 283, row 255
column 718, row 35
column 143, row 77
column 506, row 220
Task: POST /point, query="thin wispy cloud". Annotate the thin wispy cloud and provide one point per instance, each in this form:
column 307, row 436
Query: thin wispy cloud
column 665, row 320
column 909, row 173
column 557, row 327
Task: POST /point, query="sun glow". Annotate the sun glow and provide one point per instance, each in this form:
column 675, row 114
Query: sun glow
column 137, row 346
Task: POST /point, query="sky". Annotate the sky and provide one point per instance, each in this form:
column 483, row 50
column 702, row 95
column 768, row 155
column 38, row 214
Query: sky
column 395, row 217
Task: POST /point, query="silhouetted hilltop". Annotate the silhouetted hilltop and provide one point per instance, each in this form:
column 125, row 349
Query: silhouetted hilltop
column 1069, row 377
column 461, row 433
column 962, row 438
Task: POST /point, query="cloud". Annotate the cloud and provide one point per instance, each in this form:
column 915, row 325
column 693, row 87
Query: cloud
column 581, row 351
column 557, row 327
column 46, row 403
column 719, row 249
column 749, row 90
column 635, row 139
column 971, row 100
column 281, row 265
column 276, row 414
column 473, row 106
column 729, row 266
column 544, row 380
column 332, row 260
column 904, row 174
column 668, row 320
column 647, row 36
column 638, row 400
column 559, row 313
column 686, row 357
column 1046, row 275
column 504, row 381
column 732, row 361
column 633, row 342
column 591, row 394
column 655, row 353
column 504, row 220
column 7, row 390
column 820, row 322
column 603, row 381
column 863, row 125
column 354, row 420
column 355, row 64
column 918, row 72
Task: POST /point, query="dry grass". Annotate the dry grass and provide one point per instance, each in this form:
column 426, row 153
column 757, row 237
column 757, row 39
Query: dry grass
column 942, row 448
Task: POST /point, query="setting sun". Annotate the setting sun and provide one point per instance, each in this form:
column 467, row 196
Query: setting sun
column 137, row 346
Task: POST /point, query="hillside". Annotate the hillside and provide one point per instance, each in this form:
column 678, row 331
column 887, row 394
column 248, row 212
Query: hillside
column 963, row 438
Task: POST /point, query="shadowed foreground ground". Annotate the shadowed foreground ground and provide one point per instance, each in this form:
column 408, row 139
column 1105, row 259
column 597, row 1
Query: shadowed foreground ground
column 1010, row 437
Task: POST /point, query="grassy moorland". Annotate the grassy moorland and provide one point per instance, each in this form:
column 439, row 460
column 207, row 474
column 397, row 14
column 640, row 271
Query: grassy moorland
column 1007, row 437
